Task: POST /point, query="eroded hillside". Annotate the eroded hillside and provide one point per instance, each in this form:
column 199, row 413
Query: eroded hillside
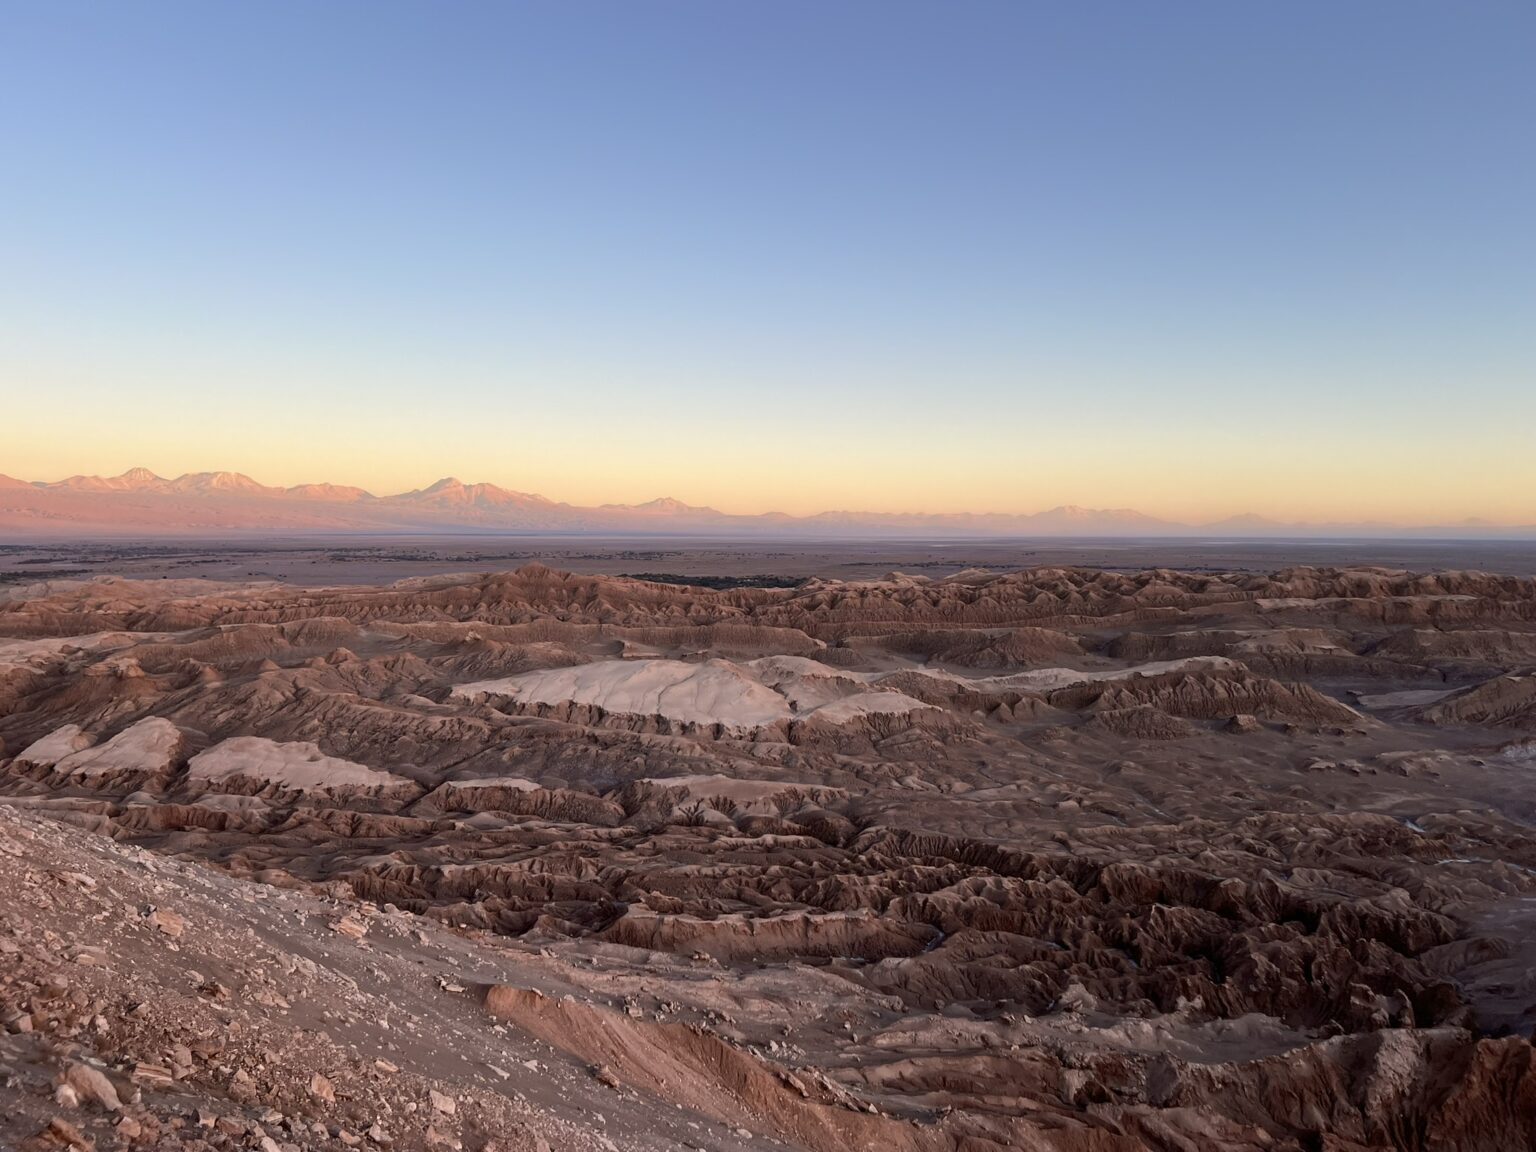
column 1057, row 859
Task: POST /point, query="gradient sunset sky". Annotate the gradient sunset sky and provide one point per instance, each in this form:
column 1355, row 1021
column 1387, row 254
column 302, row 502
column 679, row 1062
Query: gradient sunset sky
column 1192, row 258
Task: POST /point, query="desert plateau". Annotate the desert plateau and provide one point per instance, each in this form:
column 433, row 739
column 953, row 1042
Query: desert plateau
column 1058, row 858
column 854, row 576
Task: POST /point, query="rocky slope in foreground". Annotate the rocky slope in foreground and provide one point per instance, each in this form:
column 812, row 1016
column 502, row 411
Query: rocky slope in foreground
column 1055, row 860
column 151, row 1004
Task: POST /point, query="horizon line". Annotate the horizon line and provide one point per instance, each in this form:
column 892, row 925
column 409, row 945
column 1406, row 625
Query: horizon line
column 147, row 476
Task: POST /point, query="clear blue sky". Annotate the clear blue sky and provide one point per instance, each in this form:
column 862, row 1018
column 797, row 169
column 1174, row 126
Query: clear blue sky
column 1191, row 257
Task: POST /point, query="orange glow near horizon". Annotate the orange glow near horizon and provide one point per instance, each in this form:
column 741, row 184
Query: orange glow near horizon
column 1196, row 265
column 1181, row 481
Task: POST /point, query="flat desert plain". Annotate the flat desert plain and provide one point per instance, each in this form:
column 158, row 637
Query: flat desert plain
column 377, row 559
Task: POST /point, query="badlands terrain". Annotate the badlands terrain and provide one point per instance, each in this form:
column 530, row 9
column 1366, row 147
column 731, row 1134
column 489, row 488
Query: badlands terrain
column 1060, row 859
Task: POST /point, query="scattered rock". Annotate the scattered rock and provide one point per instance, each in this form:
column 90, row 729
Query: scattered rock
column 152, row 1075
column 604, row 1075
column 61, row 1131
column 170, row 923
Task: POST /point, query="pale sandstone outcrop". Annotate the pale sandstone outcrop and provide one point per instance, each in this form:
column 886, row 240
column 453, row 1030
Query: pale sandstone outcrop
column 149, row 747
column 254, row 763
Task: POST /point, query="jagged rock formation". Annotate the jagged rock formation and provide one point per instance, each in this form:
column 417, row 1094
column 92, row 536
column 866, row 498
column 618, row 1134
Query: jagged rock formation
column 1083, row 860
column 1508, row 701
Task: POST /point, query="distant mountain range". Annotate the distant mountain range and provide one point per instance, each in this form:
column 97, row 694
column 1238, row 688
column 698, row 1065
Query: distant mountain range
column 140, row 503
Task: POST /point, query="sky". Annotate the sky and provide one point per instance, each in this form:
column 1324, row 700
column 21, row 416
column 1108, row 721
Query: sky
column 1195, row 258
